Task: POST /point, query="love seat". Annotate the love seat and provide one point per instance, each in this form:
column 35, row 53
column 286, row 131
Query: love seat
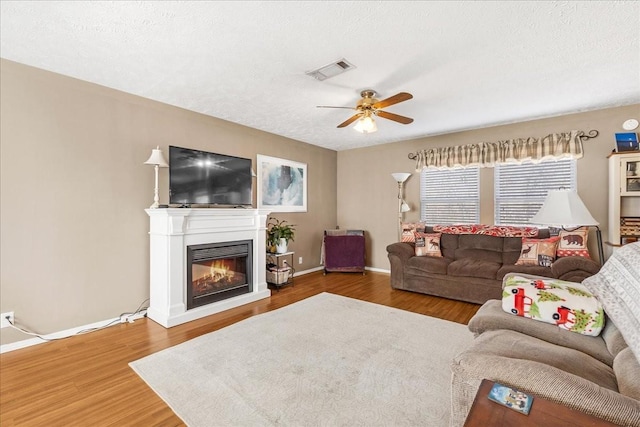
column 471, row 266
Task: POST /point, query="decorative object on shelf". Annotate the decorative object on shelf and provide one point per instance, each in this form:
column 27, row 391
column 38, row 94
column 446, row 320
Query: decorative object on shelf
column 555, row 145
column 565, row 209
column 279, row 233
column 403, row 207
column 282, row 185
column 627, row 141
column 631, row 124
column 157, row 160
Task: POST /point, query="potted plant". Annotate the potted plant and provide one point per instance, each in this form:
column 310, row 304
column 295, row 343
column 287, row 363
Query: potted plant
column 279, row 233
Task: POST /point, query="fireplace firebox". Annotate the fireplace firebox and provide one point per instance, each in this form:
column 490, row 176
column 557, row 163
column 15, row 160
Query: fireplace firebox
column 217, row 271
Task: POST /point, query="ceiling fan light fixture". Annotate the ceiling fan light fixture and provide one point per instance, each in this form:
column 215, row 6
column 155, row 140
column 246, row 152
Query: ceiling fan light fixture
column 366, row 124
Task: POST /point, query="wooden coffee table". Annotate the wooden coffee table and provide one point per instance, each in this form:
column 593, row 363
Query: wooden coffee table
column 485, row 412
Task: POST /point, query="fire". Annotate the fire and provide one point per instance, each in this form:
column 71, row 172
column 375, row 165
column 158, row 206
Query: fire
column 220, row 269
column 215, row 275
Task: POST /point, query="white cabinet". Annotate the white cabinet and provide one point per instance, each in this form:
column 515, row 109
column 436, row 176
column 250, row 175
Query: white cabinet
column 624, row 198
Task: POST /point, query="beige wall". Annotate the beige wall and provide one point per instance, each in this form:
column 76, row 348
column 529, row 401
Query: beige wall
column 74, row 247
column 367, row 194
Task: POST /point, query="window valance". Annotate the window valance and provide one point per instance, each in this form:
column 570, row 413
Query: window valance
column 487, row 154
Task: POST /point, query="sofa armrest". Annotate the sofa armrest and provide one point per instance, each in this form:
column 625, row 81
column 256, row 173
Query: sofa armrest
column 399, row 253
column 402, row 250
column 491, row 317
column 574, row 268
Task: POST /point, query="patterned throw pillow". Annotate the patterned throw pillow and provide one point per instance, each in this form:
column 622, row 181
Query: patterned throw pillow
column 568, row 305
column 573, row 243
column 428, row 244
column 538, row 251
column 408, row 230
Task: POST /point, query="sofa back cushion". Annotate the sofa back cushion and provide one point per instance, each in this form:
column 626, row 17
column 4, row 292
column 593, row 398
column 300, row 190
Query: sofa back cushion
column 480, row 247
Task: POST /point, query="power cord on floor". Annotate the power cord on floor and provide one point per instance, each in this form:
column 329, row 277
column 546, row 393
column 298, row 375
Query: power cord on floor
column 123, row 318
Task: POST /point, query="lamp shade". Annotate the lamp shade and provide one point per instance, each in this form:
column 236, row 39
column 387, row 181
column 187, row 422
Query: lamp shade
column 563, row 208
column 400, row 176
column 157, row 158
column 404, row 207
column 366, row 124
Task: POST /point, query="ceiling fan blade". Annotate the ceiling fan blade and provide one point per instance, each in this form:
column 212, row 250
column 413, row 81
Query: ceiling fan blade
column 329, row 106
column 395, row 117
column 399, row 97
column 349, row 120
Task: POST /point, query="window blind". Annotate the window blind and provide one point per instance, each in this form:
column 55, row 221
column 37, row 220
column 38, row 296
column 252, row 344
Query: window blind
column 450, row 196
column 520, row 189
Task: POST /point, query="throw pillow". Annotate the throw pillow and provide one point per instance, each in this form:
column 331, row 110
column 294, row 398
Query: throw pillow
column 538, row 251
column 568, row 305
column 617, row 286
column 428, row 244
column 408, row 230
column 573, row 243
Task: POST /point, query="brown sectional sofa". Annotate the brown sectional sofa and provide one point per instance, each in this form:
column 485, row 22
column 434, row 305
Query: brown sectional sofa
column 472, row 266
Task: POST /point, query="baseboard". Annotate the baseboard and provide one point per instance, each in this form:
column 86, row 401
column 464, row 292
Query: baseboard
column 378, row 270
column 311, row 270
column 4, row 348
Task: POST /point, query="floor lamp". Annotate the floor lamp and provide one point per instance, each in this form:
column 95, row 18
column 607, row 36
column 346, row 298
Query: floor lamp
column 564, row 208
column 157, row 160
column 403, row 207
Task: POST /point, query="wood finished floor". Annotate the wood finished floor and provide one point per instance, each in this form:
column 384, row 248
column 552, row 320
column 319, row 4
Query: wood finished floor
column 86, row 380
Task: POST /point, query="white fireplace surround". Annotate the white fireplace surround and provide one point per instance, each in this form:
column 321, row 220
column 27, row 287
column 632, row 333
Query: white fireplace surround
column 172, row 230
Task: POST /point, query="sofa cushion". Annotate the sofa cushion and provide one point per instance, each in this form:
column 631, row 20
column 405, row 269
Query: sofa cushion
column 432, row 265
column 566, row 304
column 627, row 371
column 469, row 267
column 480, row 247
column 573, row 243
column 511, row 248
column 427, row 244
column 538, row 251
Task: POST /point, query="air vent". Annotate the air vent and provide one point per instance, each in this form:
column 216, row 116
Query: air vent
column 331, row 70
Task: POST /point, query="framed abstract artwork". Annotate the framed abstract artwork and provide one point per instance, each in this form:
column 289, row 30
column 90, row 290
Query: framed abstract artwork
column 282, row 185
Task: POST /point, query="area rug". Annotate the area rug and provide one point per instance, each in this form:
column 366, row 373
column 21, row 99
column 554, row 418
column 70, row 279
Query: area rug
column 327, row 360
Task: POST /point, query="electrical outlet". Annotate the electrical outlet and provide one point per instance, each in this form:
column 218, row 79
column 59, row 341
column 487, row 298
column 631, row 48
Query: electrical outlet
column 5, row 324
column 300, row 260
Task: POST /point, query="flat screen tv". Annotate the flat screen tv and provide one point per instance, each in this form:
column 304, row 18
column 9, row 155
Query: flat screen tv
column 202, row 178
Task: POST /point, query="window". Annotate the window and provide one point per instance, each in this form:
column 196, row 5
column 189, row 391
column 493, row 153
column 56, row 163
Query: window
column 520, row 189
column 450, row 196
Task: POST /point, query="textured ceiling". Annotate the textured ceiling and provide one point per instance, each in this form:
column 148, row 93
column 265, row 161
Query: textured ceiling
column 468, row 64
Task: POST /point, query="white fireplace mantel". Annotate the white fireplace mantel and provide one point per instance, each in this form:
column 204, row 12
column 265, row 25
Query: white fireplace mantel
column 172, row 230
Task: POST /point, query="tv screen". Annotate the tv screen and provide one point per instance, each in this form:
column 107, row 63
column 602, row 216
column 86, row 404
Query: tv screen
column 203, row 178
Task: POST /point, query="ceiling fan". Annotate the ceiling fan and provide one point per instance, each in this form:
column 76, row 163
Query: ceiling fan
column 369, row 106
